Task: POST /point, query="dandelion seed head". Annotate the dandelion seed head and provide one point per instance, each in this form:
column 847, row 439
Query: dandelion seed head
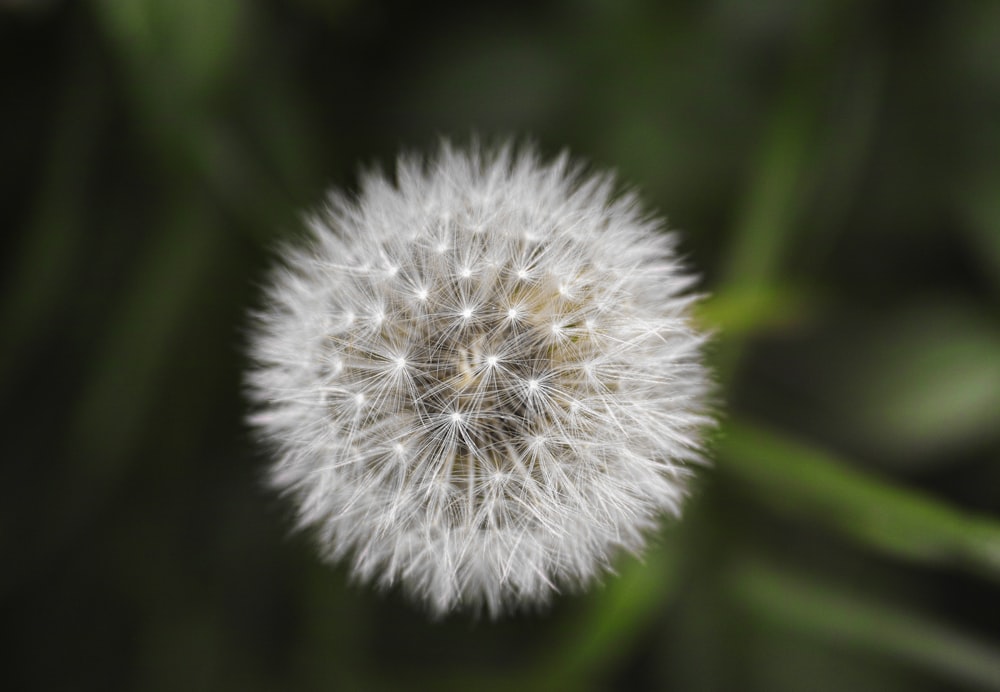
column 480, row 378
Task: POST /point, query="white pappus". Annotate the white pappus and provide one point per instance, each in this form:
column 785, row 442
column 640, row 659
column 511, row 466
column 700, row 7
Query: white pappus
column 480, row 378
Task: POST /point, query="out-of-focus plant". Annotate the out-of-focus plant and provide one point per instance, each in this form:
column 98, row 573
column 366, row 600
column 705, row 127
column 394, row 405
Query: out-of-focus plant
column 833, row 169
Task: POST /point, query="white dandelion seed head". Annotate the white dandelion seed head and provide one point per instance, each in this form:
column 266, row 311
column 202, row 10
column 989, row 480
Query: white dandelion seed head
column 481, row 378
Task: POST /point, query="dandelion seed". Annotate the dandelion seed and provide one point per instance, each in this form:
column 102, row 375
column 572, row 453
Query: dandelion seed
column 481, row 381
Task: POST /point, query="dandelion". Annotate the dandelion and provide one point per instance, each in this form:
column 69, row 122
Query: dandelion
column 481, row 378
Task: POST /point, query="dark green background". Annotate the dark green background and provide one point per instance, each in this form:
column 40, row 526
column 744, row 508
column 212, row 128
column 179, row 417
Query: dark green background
column 834, row 167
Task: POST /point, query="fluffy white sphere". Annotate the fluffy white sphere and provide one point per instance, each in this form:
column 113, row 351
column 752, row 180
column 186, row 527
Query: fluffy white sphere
column 481, row 378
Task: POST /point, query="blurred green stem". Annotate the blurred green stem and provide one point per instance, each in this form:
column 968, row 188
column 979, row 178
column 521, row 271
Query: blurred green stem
column 605, row 634
column 165, row 287
column 774, row 196
column 767, row 215
column 51, row 242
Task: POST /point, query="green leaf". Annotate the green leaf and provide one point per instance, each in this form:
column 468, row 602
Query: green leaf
column 775, row 194
column 192, row 43
column 925, row 384
column 48, row 257
column 980, row 202
column 737, row 313
column 164, row 291
column 799, row 480
column 827, row 613
column 608, row 628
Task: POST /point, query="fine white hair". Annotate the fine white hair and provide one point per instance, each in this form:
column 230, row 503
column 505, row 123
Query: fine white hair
column 480, row 378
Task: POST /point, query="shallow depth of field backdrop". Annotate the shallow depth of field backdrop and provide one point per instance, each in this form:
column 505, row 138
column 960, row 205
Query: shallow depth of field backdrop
column 835, row 169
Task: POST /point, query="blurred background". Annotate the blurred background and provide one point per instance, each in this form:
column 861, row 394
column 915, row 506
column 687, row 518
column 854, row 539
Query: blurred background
column 834, row 167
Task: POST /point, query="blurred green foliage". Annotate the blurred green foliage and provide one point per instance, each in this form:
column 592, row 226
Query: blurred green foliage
column 835, row 169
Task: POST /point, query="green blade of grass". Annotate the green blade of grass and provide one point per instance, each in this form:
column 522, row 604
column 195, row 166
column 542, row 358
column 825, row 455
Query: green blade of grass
column 739, row 313
column 798, row 479
column 166, row 285
column 827, row 613
column 608, row 628
column 47, row 258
